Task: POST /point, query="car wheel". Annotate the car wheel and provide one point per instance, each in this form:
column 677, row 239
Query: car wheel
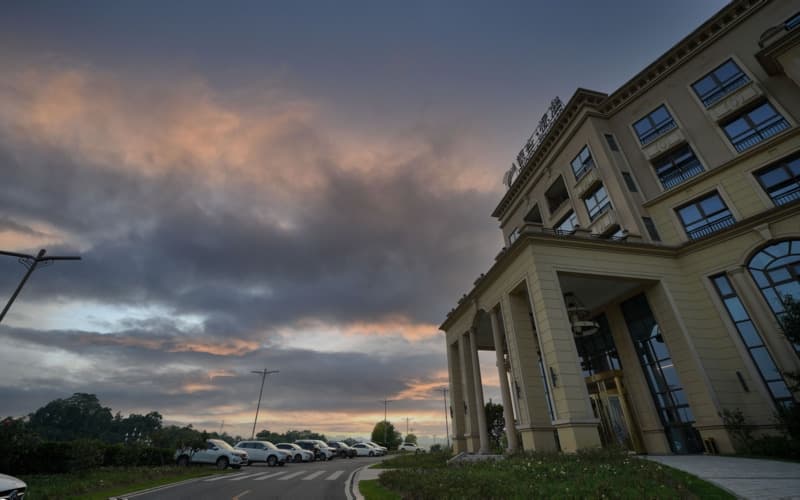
column 372, row 454
column 183, row 461
column 298, row 458
column 272, row 460
column 222, row 463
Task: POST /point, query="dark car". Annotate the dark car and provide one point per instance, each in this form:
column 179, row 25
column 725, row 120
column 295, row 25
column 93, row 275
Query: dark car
column 342, row 450
column 312, row 447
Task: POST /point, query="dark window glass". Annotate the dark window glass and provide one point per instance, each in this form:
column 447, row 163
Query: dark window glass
column 661, row 376
column 612, row 143
column 582, row 163
column 754, row 126
column 781, row 180
column 651, row 228
column 598, row 353
column 705, row 216
column 724, row 79
column 658, row 122
column 677, row 166
column 751, row 338
column 567, row 224
column 629, row 182
column 597, row 201
column 792, row 22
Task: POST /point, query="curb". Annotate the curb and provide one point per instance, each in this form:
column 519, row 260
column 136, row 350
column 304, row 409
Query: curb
column 351, row 486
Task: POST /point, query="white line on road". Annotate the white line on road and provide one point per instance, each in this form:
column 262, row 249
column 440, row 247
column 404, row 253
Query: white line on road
column 223, row 476
column 299, row 473
column 334, row 475
column 240, row 495
column 248, row 476
column 314, row 475
column 271, row 475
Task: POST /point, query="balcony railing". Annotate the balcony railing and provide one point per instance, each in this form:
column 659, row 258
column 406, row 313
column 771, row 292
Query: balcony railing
column 657, row 132
column 787, row 197
column 673, row 177
column 737, row 82
column 711, row 227
column 762, row 133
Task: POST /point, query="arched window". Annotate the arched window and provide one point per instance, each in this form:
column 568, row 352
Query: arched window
column 776, row 270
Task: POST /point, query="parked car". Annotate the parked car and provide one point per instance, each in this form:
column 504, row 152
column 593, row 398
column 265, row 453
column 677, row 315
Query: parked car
column 12, row 488
column 263, row 451
column 320, row 448
column 383, row 449
column 311, row 446
column 298, row 454
column 342, row 450
column 365, row 450
column 410, row 447
column 216, row 452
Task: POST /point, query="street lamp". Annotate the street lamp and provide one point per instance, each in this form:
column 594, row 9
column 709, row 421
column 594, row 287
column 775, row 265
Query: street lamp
column 385, row 421
column 29, row 261
column 263, row 374
column 446, row 426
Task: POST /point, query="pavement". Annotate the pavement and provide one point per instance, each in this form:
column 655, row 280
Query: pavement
column 749, row 478
column 362, row 474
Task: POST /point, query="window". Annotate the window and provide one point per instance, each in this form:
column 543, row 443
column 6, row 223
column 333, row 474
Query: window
column 597, row 353
column 752, row 340
column 754, row 126
column 629, row 182
column 724, row 79
column 556, row 195
column 512, row 237
column 705, row 216
column 657, row 123
column 651, row 228
column 567, row 224
column 597, row 201
column 776, row 271
column 612, row 143
column 677, row 166
column 792, row 22
column 781, row 180
column 582, row 163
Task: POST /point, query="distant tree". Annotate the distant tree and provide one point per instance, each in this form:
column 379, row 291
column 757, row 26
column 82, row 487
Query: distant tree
column 79, row 416
column 495, row 423
column 135, row 427
column 176, row 437
column 411, row 438
column 386, row 435
column 435, row 448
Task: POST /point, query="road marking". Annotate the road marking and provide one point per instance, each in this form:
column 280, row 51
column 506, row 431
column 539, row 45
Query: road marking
column 271, row 475
column 334, row 475
column 224, row 476
column 240, row 495
column 298, row 473
column 247, row 476
column 314, row 475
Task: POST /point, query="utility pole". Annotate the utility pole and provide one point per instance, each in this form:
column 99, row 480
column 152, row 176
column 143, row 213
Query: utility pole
column 446, row 426
column 385, row 421
column 263, row 374
column 29, row 261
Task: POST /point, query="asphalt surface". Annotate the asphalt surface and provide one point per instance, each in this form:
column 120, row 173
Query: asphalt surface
column 313, row 480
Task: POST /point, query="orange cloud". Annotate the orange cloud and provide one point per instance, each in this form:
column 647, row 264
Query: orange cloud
column 394, row 326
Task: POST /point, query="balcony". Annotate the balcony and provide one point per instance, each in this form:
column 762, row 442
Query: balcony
column 664, row 143
column 735, row 101
column 710, row 228
column 588, row 180
column 605, row 223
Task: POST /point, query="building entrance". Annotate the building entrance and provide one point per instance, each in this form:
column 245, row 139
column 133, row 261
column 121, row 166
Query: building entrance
column 618, row 425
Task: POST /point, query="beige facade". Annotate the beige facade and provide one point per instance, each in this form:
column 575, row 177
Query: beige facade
column 651, row 238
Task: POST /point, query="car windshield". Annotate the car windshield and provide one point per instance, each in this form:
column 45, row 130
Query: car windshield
column 221, row 444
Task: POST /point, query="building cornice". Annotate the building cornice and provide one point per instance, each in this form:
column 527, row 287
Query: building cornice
column 710, row 31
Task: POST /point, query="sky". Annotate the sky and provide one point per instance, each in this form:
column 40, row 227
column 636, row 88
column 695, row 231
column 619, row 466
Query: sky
column 298, row 186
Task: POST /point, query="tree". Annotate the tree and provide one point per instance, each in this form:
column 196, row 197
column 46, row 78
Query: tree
column 411, row 438
column 496, row 424
column 386, row 435
column 78, row 416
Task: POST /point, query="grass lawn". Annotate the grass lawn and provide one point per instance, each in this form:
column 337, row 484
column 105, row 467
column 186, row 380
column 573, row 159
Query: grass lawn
column 107, row 481
column 372, row 490
column 595, row 474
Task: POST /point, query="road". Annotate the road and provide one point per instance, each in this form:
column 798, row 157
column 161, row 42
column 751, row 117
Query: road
column 311, row 480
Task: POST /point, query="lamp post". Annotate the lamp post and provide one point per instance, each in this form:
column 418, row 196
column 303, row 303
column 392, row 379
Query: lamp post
column 446, row 426
column 29, row 261
column 263, row 374
column 385, row 421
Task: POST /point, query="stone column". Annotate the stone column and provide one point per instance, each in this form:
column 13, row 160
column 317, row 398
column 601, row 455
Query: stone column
column 502, row 372
column 535, row 427
column 575, row 420
column 456, row 398
column 480, row 406
column 468, row 391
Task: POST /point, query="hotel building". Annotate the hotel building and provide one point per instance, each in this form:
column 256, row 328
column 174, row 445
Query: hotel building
column 651, row 236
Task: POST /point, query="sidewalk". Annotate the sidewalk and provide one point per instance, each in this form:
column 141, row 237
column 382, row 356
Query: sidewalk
column 749, row 478
column 363, row 474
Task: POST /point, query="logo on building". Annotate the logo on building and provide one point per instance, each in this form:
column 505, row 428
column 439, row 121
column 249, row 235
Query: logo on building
column 535, row 140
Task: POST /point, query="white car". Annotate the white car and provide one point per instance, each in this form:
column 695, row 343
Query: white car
column 216, row 452
column 12, row 488
column 384, row 449
column 298, row 454
column 365, row 450
column 410, row 447
column 264, row 451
